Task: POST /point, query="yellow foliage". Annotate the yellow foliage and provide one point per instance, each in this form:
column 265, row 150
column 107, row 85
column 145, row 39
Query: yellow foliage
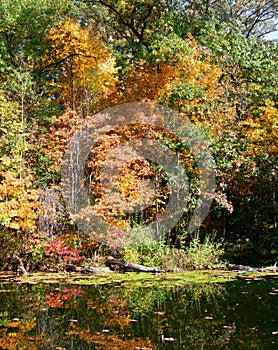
column 262, row 133
column 18, row 202
column 156, row 82
column 86, row 69
column 87, row 82
column 20, row 339
column 263, row 130
column 105, row 341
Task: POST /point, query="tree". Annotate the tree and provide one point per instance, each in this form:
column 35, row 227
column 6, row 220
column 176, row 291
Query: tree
column 81, row 70
column 62, row 62
column 253, row 18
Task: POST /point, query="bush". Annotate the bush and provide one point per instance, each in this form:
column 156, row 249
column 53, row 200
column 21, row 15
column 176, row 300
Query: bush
column 206, row 254
column 157, row 254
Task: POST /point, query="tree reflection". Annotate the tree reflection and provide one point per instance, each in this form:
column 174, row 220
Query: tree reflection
column 233, row 315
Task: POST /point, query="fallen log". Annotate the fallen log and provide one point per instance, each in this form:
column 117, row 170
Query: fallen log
column 244, row 268
column 95, row 270
column 72, row 268
column 90, row 270
column 234, row 267
column 125, row 266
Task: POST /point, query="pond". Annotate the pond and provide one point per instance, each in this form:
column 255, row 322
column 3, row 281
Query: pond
column 237, row 314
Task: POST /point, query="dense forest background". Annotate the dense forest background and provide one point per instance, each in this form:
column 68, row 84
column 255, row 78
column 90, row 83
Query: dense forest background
column 62, row 61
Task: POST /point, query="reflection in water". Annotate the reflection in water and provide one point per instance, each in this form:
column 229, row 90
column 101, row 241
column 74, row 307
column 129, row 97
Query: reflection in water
column 234, row 315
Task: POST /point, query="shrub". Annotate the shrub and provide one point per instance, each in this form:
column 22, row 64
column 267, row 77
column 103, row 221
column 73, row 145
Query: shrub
column 157, row 254
column 60, row 252
column 206, row 254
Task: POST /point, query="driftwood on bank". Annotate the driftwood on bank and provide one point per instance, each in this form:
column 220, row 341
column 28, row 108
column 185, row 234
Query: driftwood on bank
column 244, row 268
column 125, row 266
column 120, row 265
column 112, row 265
column 90, row 270
column 234, row 267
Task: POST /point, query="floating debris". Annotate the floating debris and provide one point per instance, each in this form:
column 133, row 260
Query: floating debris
column 167, row 340
column 160, row 313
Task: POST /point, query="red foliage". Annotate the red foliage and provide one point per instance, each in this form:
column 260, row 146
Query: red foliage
column 66, row 295
column 63, row 252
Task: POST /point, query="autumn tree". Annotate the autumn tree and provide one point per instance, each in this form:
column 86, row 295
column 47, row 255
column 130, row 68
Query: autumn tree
column 24, row 25
column 63, row 62
column 81, row 69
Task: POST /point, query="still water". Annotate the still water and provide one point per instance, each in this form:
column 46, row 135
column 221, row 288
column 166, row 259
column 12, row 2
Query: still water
column 241, row 314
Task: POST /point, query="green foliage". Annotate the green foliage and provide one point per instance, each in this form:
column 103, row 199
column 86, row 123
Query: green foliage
column 184, row 91
column 44, row 176
column 204, row 254
column 157, row 254
column 169, row 48
column 11, row 129
column 24, row 25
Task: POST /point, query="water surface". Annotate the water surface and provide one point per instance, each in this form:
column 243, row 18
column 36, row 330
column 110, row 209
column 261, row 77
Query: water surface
column 232, row 315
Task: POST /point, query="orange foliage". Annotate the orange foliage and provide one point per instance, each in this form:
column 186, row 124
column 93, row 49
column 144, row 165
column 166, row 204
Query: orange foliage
column 129, row 183
column 105, row 341
column 20, row 339
column 55, row 142
column 143, row 82
column 155, row 82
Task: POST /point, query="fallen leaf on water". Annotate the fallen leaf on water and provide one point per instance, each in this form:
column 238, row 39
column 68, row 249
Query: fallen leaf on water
column 169, row 340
